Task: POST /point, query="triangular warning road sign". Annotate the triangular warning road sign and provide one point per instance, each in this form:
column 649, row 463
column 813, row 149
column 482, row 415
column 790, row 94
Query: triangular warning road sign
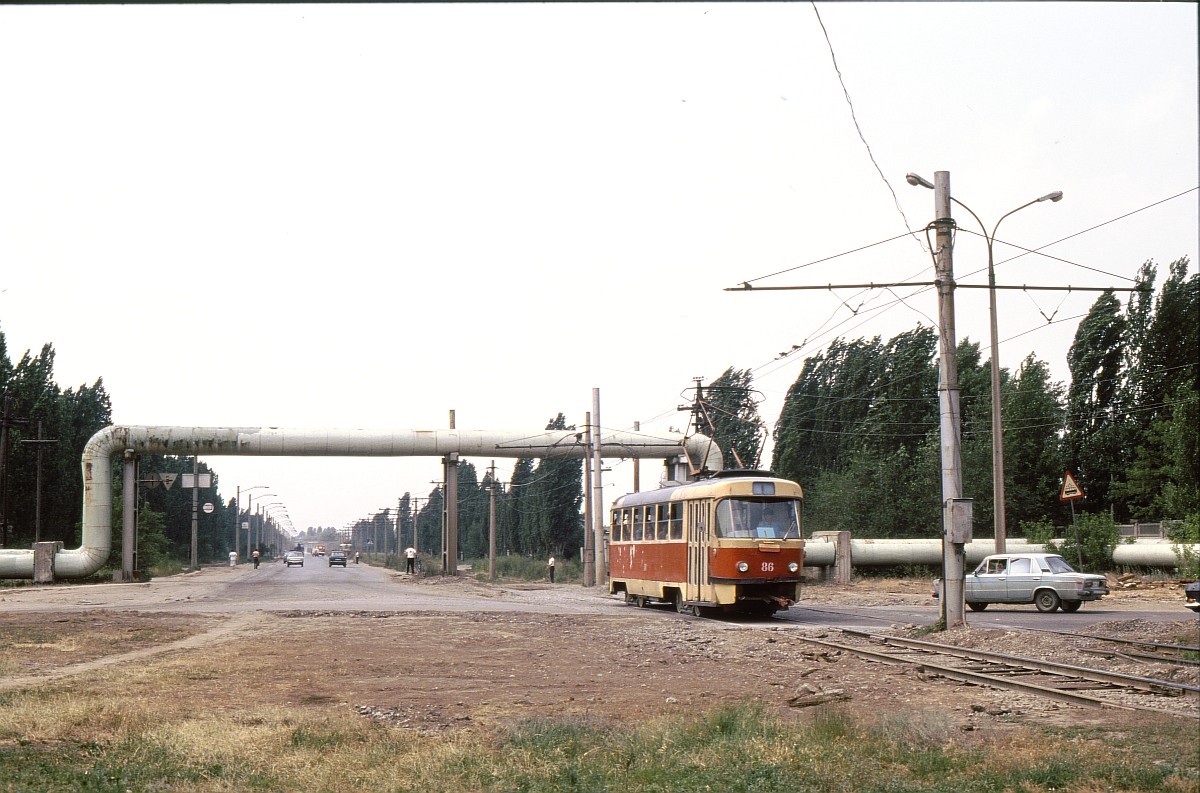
column 168, row 479
column 1070, row 488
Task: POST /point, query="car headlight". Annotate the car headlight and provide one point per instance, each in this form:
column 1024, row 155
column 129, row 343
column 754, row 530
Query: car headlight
column 742, row 567
column 793, row 567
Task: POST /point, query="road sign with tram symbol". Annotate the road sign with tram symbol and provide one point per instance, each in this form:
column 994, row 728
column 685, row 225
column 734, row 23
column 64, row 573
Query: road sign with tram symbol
column 1070, row 488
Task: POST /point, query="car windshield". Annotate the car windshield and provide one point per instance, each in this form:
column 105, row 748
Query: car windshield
column 1057, row 564
column 776, row 519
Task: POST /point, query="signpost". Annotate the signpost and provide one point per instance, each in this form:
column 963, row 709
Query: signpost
column 1071, row 492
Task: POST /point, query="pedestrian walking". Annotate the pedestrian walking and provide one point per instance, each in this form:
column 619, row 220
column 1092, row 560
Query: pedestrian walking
column 410, row 559
column 550, row 565
column 255, row 555
column 233, row 558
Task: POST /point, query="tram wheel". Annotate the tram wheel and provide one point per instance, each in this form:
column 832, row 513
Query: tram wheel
column 680, row 606
column 630, row 598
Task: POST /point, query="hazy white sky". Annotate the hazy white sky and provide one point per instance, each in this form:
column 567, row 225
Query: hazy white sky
column 368, row 215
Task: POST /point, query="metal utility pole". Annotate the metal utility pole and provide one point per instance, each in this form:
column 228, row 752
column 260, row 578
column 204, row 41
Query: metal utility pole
column 492, row 521
column 598, row 490
column 6, row 423
column 40, row 442
column 195, row 513
column 637, row 468
column 129, row 507
column 416, row 515
column 953, row 539
column 589, row 554
column 450, row 507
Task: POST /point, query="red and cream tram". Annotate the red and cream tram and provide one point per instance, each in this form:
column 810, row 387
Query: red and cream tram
column 730, row 543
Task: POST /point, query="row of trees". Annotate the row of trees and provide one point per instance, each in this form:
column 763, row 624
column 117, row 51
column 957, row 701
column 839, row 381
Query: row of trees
column 859, row 427
column 537, row 512
column 29, row 398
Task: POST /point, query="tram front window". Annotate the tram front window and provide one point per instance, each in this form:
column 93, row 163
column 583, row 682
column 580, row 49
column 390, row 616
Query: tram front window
column 757, row 519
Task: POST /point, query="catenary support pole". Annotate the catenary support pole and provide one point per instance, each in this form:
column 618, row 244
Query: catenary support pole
column 450, row 561
column 492, row 522
column 195, row 560
column 948, row 406
column 637, row 464
column 598, row 491
column 589, row 553
column 129, row 487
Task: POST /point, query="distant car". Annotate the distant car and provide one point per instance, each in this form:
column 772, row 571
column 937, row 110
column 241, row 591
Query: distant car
column 337, row 557
column 1191, row 596
column 1044, row 579
column 294, row 558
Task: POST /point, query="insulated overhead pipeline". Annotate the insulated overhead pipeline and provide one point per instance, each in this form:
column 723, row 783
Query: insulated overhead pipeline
column 97, row 463
column 821, row 552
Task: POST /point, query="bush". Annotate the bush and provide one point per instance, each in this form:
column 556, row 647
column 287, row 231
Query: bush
column 525, row 568
column 1090, row 542
column 1186, row 535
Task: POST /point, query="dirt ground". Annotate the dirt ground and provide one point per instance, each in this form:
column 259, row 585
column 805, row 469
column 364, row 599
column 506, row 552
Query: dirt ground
column 431, row 670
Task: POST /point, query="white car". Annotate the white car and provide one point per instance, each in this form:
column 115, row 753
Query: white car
column 1044, row 579
column 294, row 558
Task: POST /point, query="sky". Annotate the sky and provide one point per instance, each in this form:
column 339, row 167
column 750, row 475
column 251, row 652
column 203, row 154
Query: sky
column 365, row 216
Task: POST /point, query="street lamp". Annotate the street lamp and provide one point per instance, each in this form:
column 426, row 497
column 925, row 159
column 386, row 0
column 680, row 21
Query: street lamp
column 387, row 540
column 250, row 527
column 237, row 515
column 998, row 506
column 263, row 510
column 270, row 523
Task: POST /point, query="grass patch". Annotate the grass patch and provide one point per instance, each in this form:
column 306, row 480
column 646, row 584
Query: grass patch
column 80, row 742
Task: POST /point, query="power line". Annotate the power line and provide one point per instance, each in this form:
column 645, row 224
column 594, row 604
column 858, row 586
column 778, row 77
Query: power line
column 854, row 118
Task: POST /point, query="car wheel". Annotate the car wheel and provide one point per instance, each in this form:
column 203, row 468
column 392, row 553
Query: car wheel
column 1071, row 606
column 977, row 606
column 1046, row 601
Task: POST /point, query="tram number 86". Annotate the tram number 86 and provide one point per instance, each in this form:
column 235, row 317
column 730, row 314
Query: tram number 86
column 768, row 567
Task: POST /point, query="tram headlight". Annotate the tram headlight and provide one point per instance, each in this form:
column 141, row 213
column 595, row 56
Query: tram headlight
column 793, row 567
column 742, row 567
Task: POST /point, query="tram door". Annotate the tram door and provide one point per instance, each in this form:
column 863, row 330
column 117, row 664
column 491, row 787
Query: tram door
column 697, row 543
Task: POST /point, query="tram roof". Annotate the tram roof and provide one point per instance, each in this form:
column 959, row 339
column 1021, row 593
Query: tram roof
column 718, row 484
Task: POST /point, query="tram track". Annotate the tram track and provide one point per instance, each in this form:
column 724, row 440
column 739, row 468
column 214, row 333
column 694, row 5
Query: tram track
column 1062, row 682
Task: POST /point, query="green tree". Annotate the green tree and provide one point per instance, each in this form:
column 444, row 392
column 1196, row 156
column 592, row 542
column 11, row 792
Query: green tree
column 731, row 411
column 1095, row 440
column 515, row 510
column 557, row 496
column 1033, row 417
column 1160, row 387
column 69, row 419
column 824, row 408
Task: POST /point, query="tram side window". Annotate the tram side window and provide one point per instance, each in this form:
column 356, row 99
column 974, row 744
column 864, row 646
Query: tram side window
column 676, row 511
column 637, row 524
column 627, row 524
column 662, row 526
column 650, row 523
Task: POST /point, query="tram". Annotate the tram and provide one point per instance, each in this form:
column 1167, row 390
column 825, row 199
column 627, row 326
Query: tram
column 732, row 543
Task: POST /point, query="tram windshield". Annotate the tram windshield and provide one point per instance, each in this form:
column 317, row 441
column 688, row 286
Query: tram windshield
column 758, row 518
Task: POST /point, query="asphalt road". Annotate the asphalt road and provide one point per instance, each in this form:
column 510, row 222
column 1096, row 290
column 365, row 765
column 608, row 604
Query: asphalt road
column 1013, row 617
column 316, row 586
